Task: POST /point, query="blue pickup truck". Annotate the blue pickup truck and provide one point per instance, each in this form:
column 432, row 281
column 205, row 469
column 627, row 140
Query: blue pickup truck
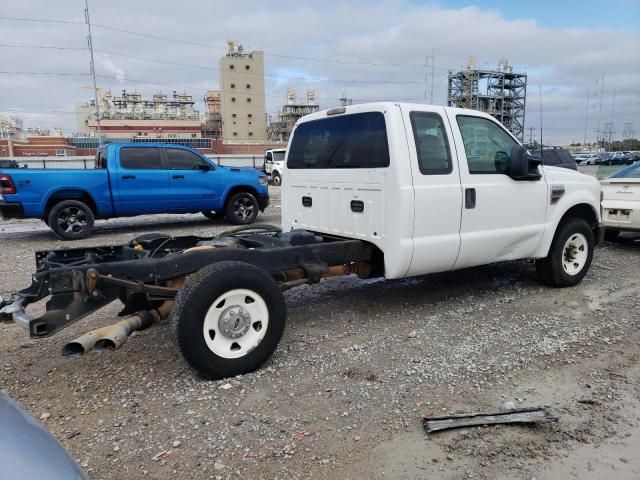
column 132, row 179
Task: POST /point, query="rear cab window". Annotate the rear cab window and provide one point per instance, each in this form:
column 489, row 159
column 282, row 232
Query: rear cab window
column 432, row 145
column 141, row 158
column 101, row 158
column 358, row 140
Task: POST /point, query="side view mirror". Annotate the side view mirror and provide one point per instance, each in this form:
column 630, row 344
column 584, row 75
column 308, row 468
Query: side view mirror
column 522, row 166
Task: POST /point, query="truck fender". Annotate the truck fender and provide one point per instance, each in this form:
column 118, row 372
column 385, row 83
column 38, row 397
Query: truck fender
column 67, row 193
column 577, row 203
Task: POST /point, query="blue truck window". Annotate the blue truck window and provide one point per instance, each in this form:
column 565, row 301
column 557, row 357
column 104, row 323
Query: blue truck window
column 351, row 141
column 183, row 159
column 140, row 158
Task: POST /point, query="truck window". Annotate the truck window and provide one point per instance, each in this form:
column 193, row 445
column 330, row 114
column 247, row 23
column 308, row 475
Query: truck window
column 549, row 157
column 183, row 159
column 486, row 144
column 101, row 158
column 140, row 158
column 278, row 156
column 348, row 141
column 432, row 145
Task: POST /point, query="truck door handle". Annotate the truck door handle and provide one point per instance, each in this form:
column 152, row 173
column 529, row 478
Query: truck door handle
column 357, row 206
column 470, row 198
column 307, row 201
column 128, row 177
column 178, row 176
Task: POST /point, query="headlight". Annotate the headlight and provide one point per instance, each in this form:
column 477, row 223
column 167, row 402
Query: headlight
column 264, row 181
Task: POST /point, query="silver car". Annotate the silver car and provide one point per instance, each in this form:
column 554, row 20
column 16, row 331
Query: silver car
column 28, row 451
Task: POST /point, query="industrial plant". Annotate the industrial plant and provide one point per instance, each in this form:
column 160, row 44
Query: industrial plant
column 499, row 92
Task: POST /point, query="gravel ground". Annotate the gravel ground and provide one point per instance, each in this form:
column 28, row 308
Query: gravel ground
column 360, row 363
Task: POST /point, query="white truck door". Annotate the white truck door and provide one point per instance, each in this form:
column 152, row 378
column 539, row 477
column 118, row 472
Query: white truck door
column 437, row 190
column 502, row 219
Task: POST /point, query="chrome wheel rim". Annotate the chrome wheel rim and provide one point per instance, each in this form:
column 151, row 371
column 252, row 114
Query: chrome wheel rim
column 72, row 220
column 236, row 323
column 243, row 208
column 574, row 254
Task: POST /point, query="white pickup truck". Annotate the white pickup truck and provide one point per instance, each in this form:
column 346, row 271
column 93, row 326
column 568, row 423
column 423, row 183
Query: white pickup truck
column 378, row 190
column 274, row 164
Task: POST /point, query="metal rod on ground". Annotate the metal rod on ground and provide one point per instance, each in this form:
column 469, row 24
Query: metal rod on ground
column 521, row 415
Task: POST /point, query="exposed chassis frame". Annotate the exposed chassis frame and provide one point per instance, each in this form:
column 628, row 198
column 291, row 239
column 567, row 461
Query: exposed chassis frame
column 84, row 280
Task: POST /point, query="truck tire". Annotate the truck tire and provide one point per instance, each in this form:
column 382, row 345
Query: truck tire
column 71, row 220
column 276, row 179
column 228, row 319
column 212, row 214
column 242, row 208
column 570, row 254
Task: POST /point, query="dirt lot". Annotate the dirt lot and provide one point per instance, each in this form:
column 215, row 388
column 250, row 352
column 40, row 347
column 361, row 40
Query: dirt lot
column 359, row 365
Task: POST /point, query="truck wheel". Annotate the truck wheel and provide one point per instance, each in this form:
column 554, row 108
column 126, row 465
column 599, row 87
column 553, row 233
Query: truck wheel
column 570, row 254
column 213, row 215
column 276, row 179
column 71, row 220
column 242, row 208
column 228, row 319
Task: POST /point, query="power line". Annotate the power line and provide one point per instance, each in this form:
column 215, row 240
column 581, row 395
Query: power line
column 203, row 67
column 61, row 74
column 206, row 45
column 51, row 47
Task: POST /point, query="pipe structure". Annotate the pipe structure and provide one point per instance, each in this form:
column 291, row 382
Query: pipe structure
column 114, row 336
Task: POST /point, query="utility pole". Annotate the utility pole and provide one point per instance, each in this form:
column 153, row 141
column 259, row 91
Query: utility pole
column 531, row 129
column 586, row 117
column 93, row 71
column 600, row 110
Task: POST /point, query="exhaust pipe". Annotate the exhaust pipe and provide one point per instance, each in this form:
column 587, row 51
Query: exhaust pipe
column 114, row 336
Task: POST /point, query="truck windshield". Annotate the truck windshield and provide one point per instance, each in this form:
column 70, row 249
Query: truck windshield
column 349, row 141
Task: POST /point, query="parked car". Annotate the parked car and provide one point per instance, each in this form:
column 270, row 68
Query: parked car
column 629, row 157
column 132, row 179
column 605, row 158
column 386, row 190
column 555, row 157
column 587, row 158
column 28, row 451
column 621, row 201
column 274, row 164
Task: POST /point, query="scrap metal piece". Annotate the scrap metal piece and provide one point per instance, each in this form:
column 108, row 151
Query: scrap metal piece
column 516, row 415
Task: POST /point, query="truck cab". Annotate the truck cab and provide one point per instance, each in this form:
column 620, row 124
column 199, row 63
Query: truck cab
column 434, row 188
column 274, row 164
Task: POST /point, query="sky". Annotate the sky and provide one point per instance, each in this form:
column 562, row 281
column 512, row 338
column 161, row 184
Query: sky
column 365, row 50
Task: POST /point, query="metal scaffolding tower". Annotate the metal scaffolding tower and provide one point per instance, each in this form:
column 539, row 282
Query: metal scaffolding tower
column 280, row 129
column 500, row 93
